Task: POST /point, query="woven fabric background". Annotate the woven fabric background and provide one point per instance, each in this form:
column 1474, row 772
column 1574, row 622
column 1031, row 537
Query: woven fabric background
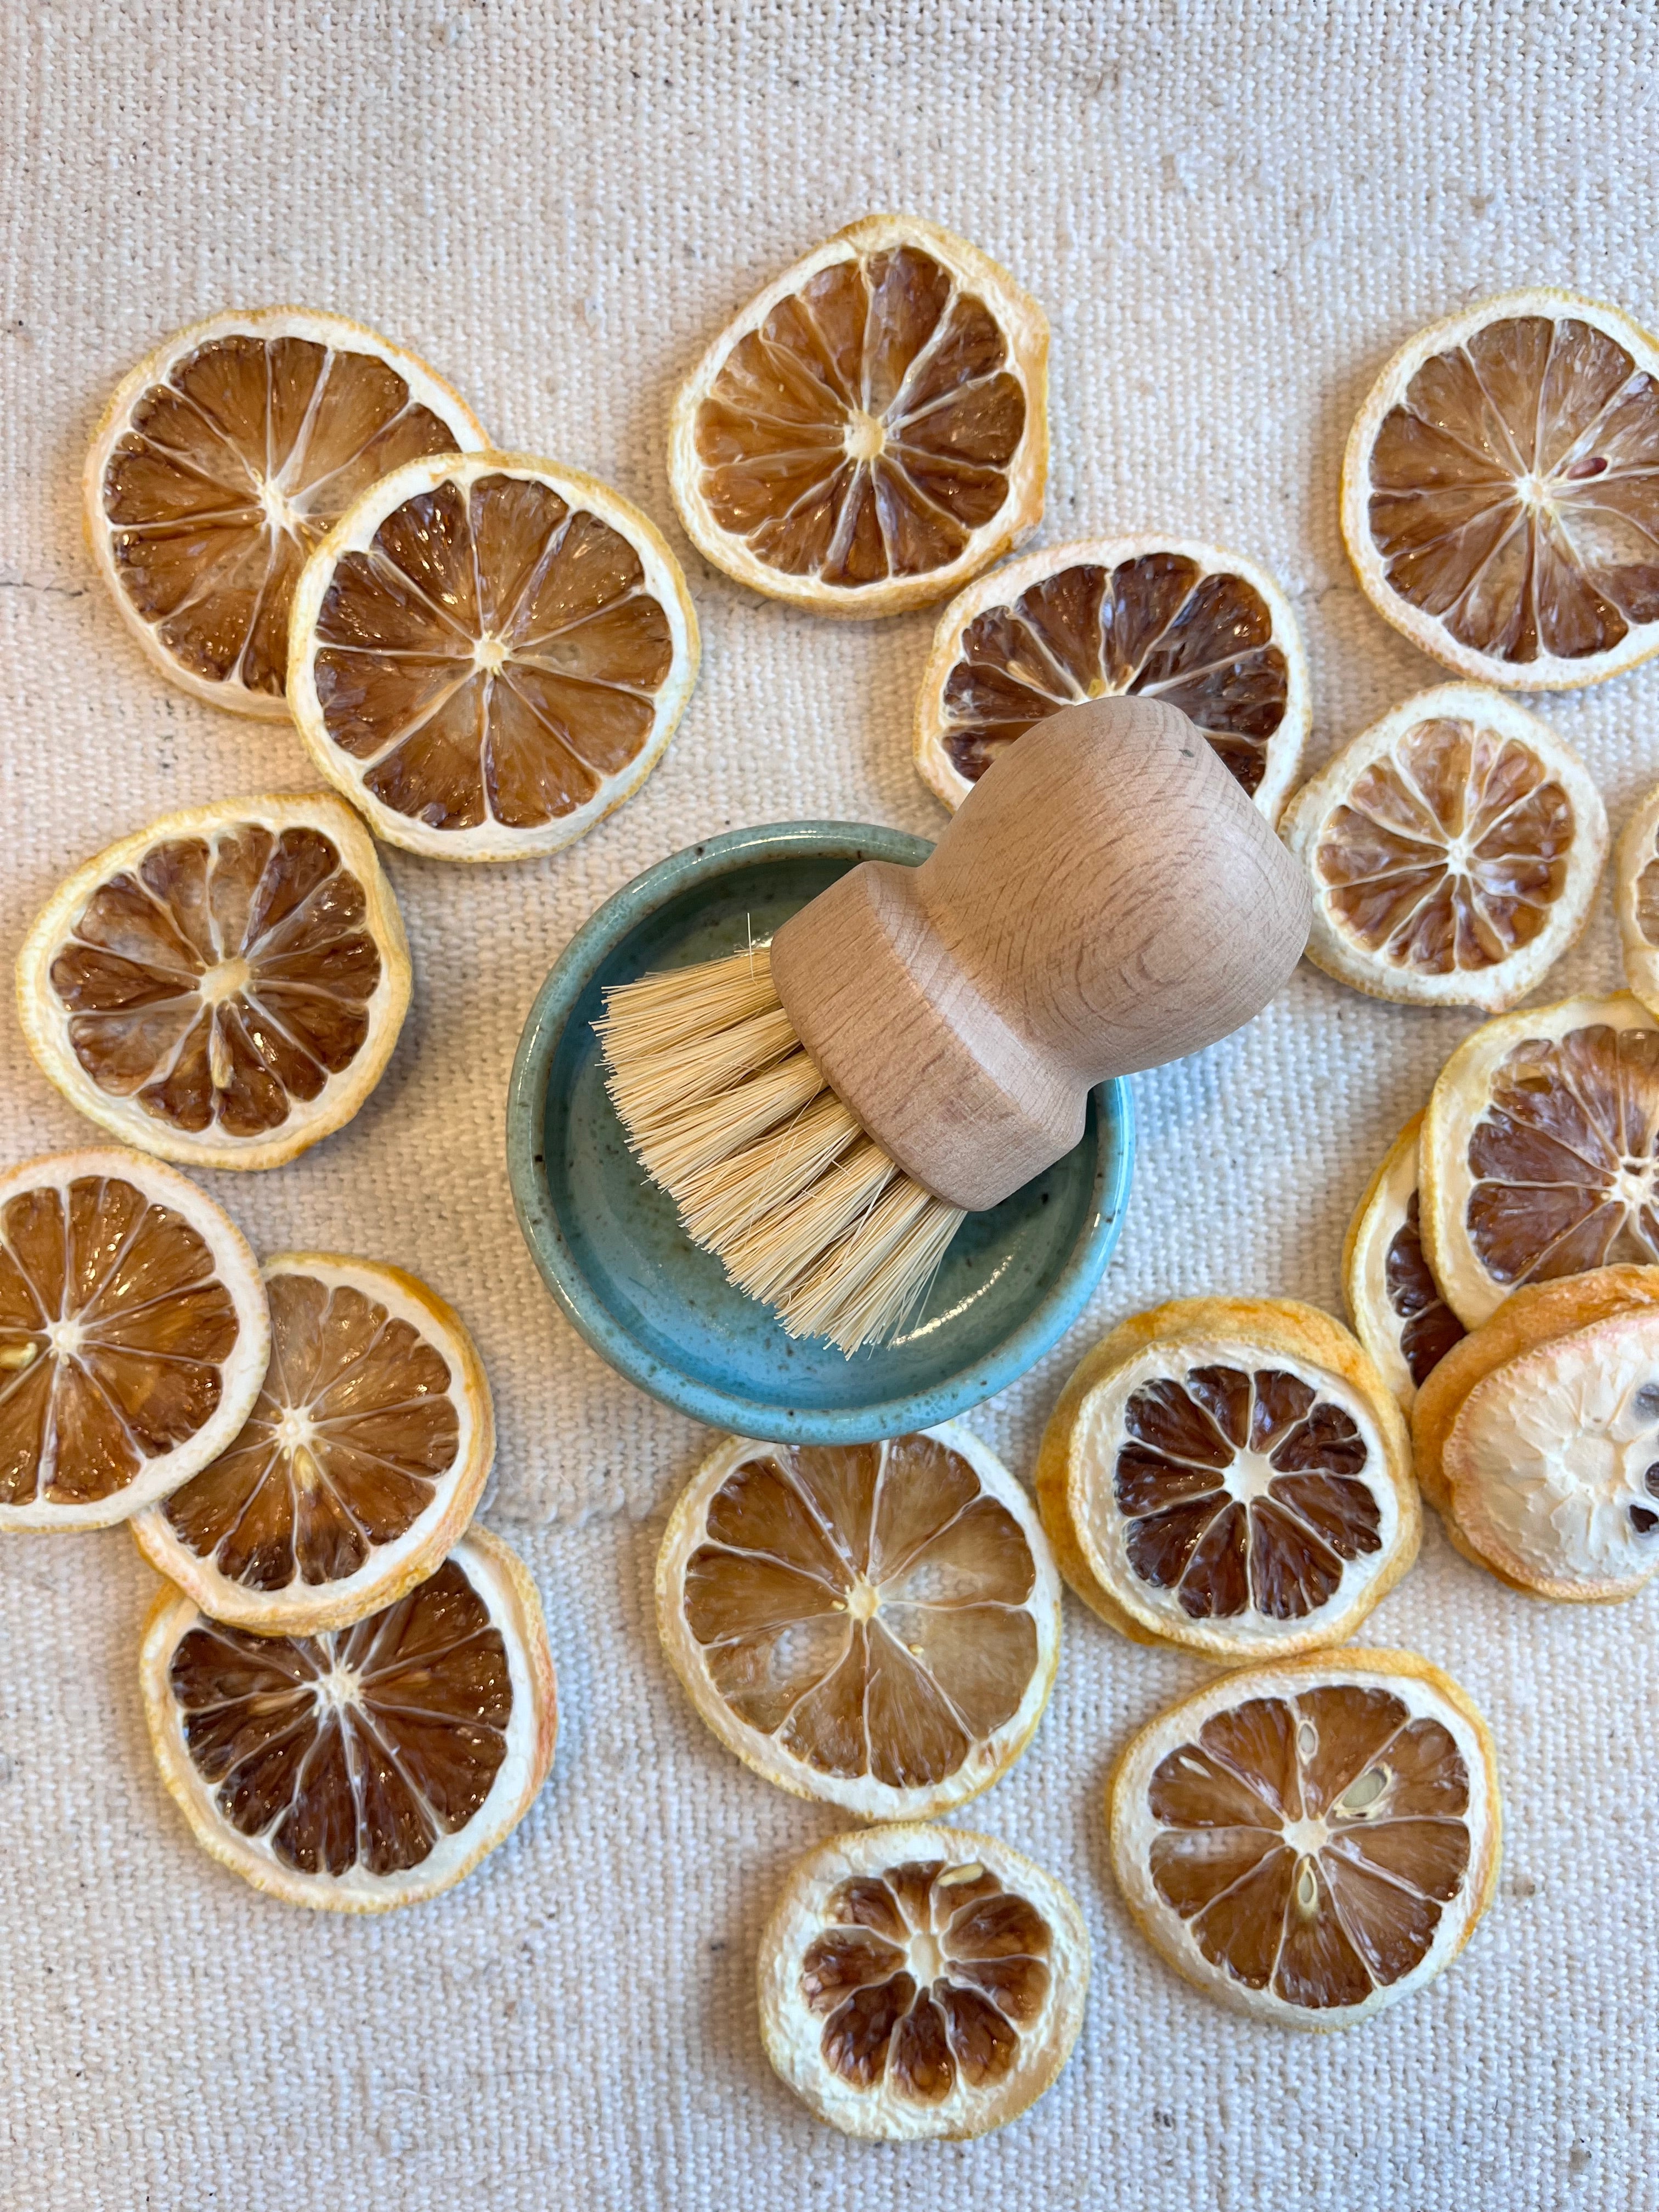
column 1233, row 212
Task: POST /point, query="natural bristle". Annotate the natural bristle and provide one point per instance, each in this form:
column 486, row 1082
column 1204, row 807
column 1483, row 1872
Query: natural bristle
column 769, row 1170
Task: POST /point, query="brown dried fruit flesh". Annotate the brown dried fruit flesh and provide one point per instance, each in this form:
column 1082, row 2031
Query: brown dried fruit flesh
column 1429, row 1328
column 1312, row 1842
column 1279, row 1551
column 865, row 429
column 357, row 1749
column 221, row 979
column 1158, row 625
column 866, row 1608
column 926, row 1973
column 229, row 468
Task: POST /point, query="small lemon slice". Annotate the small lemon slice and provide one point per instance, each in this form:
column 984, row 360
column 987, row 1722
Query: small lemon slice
column 1398, row 1313
column 1636, row 899
column 1310, row 1841
column 1501, row 486
column 221, row 461
column 367, row 1767
column 1230, row 1475
column 921, row 1982
column 874, row 1624
column 872, row 428
column 1169, row 618
column 1454, row 848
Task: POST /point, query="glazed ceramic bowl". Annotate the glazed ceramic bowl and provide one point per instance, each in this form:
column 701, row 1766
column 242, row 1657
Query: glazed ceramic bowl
column 610, row 1245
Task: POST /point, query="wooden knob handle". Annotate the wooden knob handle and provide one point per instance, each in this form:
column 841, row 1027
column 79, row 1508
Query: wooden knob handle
column 1106, row 899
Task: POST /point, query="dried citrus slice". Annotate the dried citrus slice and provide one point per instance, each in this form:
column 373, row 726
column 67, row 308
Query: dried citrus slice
column 1399, row 1313
column 360, row 1464
column 489, row 653
column 875, row 1624
column 224, row 986
column 1207, row 631
column 1636, row 899
column 133, row 1337
column 1500, row 492
column 1529, row 1317
column 872, row 428
column 921, row 1982
column 1231, row 1475
column 1313, row 1840
column 1454, row 848
column 1541, row 1151
column 364, row 1767
column 1551, row 1463
column 221, row 461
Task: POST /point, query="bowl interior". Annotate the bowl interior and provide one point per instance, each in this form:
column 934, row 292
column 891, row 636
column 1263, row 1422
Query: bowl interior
column 612, row 1245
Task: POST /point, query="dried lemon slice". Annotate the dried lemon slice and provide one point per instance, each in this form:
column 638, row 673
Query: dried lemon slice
column 369, row 1767
column 489, row 654
column 1500, row 491
column 1231, row 1475
column 1313, row 1840
column 225, row 986
column 871, row 430
column 1636, row 899
column 1398, row 1313
column 221, row 461
column 360, row 1464
column 1454, row 848
column 874, row 1624
column 1206, row 631
column 1541, row 1151
column 921, row 1982
column 133, row 1337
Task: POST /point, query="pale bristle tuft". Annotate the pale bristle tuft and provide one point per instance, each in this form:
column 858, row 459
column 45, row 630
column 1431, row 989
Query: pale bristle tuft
column 769, row 1170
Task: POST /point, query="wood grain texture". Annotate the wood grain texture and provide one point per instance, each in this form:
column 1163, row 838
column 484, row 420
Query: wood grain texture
column 1105, row 899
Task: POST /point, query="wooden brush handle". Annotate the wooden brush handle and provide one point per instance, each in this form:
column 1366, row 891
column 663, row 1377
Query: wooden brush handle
column 1105, row 899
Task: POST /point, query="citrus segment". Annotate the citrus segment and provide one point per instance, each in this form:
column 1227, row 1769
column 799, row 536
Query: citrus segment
column 1541, row 1151
column 365, row 1454
column 223, row 459
column 1500, row 494
column 1636, row 899
column 133, row 1336
column 225, row 986
column 1231, row 1475
column 489, row 653
column 368, row 1767
column 1454, row 848
column 875, row 1624
column 921, row 1982
column 1310, row 1842
column 1398, row 1313
column 872, row 428
column 1206, row 631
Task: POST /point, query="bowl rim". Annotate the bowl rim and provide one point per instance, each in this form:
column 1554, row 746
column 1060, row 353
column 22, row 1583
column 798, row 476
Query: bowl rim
column 543, row 1231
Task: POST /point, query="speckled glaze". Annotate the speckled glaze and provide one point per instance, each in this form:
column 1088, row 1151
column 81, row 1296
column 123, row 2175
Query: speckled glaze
column 610, row 1245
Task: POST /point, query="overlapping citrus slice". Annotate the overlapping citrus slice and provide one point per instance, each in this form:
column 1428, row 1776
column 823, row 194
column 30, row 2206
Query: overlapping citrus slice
column 225, row 986
column 1231, row 1475
column 875, row 1624
column 921, row 1982
column 1206, row 631
column 366, row 1452
column 1500, row 492
column 133, row 1337
column 1398, row 1313
column 1454, row 848
column 1313, row 1840
column 1636, row 899
column 1537, row 1438
column 872, row 428
column 488, row 653
column 1540, row 1152
column 221, row 461
column 367, row 1767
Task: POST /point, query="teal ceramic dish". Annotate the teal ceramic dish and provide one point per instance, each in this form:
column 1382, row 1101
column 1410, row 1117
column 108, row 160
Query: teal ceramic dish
column 610, row 1246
